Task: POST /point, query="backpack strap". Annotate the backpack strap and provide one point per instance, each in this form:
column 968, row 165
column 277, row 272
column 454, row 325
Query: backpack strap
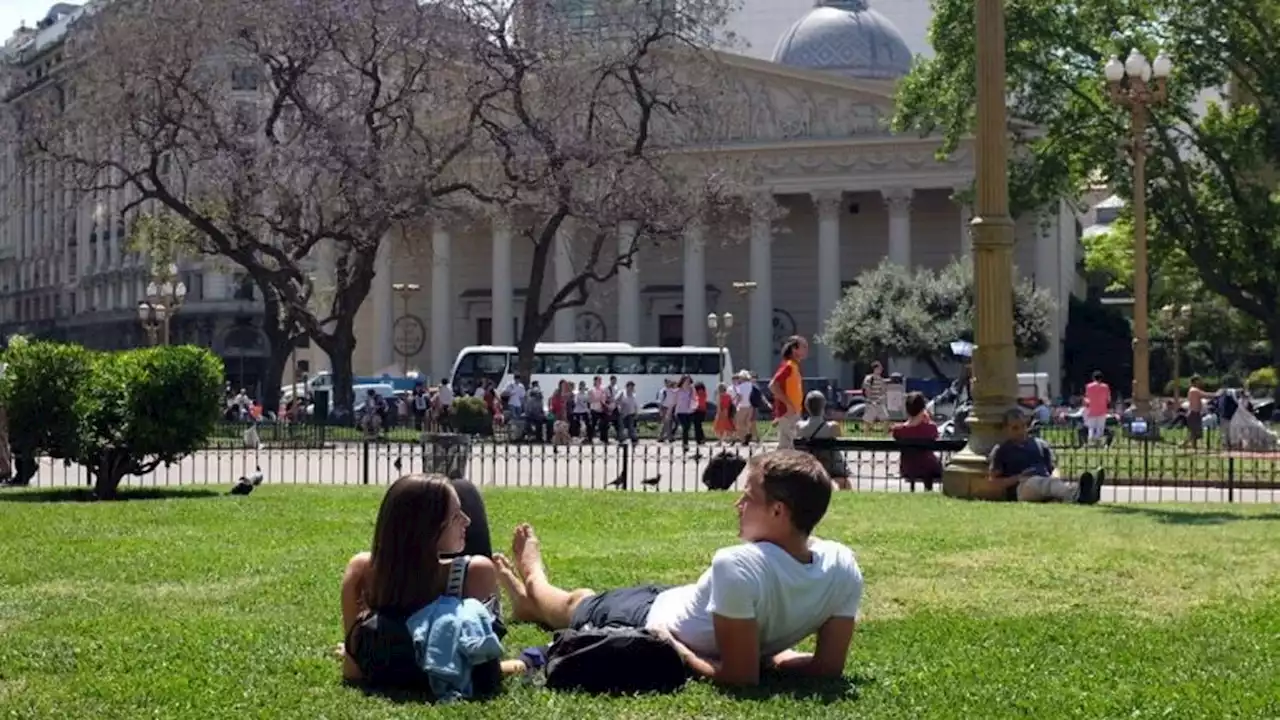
column 457, row 576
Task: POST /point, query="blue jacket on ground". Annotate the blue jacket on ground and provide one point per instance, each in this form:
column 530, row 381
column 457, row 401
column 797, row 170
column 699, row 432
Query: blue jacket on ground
column 450, row 637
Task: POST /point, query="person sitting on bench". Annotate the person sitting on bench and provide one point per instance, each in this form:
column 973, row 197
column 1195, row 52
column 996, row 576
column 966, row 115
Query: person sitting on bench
column 1023, row 467
column 750, row 608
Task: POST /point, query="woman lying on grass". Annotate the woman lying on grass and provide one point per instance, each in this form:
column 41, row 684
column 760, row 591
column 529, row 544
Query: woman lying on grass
column 394, row 595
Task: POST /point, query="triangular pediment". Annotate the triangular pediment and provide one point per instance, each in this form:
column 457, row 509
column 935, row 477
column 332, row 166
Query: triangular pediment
column 768, row 102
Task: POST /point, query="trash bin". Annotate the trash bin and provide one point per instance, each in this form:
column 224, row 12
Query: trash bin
column 446, row 454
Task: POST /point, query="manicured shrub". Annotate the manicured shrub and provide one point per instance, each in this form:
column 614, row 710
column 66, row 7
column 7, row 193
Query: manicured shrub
column 116, row 414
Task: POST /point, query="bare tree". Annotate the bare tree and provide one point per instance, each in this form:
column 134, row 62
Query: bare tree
column 599, row 126
column 272, row 127
column 278, row 129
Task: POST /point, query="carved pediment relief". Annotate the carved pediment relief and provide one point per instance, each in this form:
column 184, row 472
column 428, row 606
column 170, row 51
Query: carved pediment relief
column 763, row 109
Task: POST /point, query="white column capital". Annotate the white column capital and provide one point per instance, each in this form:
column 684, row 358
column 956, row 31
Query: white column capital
column 898, row 200
column 827, row 201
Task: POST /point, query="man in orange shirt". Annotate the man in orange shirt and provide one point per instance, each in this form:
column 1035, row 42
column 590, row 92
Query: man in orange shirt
column 787, row 388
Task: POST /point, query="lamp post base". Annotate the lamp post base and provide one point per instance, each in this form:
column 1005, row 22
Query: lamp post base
column 967, row 475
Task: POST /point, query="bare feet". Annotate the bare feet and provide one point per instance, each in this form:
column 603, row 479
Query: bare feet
column 522, row 608
column 527, row 552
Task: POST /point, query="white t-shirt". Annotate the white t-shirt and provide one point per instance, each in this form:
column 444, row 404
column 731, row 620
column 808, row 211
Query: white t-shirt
column 515, row 395
column 788, row 599
column 445, row 395
column 742, row 393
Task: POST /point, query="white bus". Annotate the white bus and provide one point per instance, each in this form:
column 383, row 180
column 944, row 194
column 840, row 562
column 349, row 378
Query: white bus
column 647, row 367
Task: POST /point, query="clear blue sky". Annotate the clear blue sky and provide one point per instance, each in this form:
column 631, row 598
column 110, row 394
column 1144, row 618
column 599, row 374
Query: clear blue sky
column 13, row 12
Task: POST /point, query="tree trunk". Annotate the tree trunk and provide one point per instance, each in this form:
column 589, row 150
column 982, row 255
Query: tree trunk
column 536, row 319
column 273, row 379
column 108, row 476
column 340, row 345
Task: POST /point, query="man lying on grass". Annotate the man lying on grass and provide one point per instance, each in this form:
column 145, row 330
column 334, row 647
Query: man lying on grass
column 752, row 606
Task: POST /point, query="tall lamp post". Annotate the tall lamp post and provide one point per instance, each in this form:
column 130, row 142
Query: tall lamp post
column 720, row 325
column 164, row 300
column 994, row 362
column 406, row 291
column 1136, row 85
column 1178, row 320
column 744, row 288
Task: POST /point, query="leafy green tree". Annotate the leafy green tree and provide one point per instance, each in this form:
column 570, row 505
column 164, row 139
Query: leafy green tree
column 115, row 414
column 1212, row 195
column 145, row 408
column 894, row 312
column 38, row 391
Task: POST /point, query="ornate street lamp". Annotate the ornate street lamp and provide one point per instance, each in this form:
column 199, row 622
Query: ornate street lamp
column 1136, row 85
column 720, row 325
column 1178, row 320
column 164, row 300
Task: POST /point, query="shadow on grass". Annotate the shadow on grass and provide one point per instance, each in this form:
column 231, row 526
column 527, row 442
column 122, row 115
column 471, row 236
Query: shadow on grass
column 85, row 495
column 825, row 690
column 1189, row 517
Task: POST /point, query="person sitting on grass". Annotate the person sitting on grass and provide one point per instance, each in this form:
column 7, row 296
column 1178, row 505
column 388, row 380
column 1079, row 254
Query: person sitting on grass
column 1023, row 466
column 420, row 541
column 750, row 608
column 918, row 464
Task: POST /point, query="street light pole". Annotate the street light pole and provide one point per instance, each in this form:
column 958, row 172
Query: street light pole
column 1178, row 319
column 744, row 290
column 994, row 362
column 164, row 300
column 720, row 325
column 1131, row 88
column 405, row 291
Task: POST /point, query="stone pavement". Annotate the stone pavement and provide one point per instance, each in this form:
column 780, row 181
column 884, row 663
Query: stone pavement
column 650, row 467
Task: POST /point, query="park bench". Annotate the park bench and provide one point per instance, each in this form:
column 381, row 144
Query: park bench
column 977, row 488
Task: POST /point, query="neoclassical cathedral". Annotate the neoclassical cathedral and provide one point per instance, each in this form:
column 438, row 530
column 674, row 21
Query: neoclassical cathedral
column 853, row 192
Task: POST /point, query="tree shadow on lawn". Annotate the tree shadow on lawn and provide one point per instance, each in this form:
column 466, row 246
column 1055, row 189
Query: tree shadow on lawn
column 85, row 495
column 1189, row 517
column 823, row 690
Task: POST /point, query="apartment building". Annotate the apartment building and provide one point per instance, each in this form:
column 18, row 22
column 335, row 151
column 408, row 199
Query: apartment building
column 66, row 271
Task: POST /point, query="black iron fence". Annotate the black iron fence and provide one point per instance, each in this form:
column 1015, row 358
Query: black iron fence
column 1136, row 470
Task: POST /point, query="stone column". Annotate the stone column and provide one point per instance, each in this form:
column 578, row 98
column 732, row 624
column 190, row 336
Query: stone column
column 563, row 330
column 761, row 299
column 898, row 203
column 502, row 294
column 829, row 205
column 384, row 308
column 629, row 286
column 695, row 285
column 442, row 352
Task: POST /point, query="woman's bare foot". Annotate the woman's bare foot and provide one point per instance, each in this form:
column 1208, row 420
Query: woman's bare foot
column 527, row 553
column 522, row 608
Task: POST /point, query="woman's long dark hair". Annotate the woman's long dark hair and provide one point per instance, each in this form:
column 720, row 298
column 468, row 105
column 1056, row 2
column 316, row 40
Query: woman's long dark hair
column 406, row 571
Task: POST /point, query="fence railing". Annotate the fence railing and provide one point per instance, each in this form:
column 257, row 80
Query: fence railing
column 1136, row 471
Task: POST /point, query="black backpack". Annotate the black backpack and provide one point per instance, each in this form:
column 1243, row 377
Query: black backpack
column 723, row 470
column 381, row 646
column 613, row 660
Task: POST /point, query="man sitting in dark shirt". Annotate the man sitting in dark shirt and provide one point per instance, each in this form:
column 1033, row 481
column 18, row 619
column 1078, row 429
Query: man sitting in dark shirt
column 1024, row 467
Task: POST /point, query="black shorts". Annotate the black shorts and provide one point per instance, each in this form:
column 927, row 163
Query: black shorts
column 627, row 607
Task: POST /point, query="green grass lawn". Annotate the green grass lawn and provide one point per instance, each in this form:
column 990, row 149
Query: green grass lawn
column 215, row 607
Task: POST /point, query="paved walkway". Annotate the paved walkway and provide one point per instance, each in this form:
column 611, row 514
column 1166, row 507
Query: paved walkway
column 651, row 467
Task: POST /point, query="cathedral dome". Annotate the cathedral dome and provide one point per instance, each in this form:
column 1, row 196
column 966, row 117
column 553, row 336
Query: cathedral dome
column 848, row 38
